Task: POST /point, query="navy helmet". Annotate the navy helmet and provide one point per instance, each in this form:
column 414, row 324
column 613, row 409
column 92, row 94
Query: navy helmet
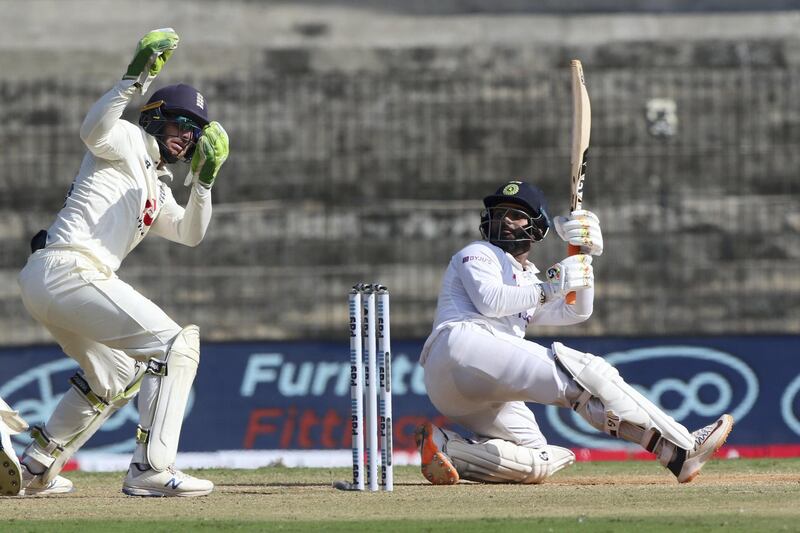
column 532, row 205
column 179, row 103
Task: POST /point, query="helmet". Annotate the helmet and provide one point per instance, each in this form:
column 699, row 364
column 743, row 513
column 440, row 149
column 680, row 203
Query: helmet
column 179, row 103
column 532, row 206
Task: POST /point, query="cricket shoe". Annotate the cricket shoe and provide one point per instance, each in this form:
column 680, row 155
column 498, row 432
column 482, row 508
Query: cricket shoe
column 687, row 464
column 10, row 470
column 435, row 465
column 34, row 485
column 170, row 482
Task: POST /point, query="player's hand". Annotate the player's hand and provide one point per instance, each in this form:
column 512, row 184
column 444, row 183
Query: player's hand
column 574, row 273
column 153, row 50
column 581, row 228
column 209, row 154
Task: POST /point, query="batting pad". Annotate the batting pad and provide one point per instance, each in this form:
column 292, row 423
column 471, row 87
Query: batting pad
column 12, row 420
column 501, row 461
column 175, row 376
column 622, row 402
column 55, row 455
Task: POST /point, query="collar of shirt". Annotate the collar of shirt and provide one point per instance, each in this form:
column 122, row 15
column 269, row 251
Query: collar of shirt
column 528, row 266
column 164, row 172
column 155, row 154
column 152, row 147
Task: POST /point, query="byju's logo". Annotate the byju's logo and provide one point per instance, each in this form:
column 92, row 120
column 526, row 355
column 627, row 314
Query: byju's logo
column 692, row 384
column 36, row 392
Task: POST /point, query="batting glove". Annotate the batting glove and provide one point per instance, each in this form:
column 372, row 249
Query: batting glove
column 209, row 154
column 582, row 229
column 153, row 50
column 574, row 273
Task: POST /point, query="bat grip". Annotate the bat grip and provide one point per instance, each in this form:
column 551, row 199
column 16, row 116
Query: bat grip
column 572, row 250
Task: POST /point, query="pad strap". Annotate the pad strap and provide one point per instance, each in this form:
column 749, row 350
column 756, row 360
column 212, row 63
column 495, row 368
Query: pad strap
column 45, row 443
column 156, row 367
column 80, row 383
column 142, row 435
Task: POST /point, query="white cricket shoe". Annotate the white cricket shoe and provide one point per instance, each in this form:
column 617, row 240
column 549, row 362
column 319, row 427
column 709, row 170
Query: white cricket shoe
column 435, row 465
column 33, row 485
column 708, row 440
column 10, row 470
column 170, row 482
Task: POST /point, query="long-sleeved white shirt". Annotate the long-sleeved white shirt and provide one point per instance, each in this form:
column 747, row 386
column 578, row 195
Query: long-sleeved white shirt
column 117, row 196
column 485, row 285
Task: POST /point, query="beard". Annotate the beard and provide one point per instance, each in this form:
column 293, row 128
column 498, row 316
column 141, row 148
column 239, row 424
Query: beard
column 514, row 241
column 514, row 247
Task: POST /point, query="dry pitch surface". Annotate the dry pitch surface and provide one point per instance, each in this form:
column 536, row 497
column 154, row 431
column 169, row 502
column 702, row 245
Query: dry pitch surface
column 730, row 495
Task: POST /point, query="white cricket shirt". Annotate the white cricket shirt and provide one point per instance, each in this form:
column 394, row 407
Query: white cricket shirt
column 117, row 196
column 485, row 285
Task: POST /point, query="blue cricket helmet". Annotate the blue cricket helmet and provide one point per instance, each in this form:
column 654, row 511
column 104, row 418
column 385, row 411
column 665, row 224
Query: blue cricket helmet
column 531, row 202
column 169, row 103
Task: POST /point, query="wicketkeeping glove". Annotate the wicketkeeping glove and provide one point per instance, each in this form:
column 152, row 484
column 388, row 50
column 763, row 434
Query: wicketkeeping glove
column 209, row 154
column 574, row 273
column 581, row 228
column 153, row 50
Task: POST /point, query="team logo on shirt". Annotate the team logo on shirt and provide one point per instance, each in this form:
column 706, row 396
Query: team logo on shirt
column 149, row 211
column 148, row 215
column 145, row 220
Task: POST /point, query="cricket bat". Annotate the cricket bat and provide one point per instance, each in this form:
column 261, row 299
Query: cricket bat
column 581, row 128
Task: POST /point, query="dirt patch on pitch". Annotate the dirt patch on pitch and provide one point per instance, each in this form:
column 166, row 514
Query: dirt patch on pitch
column 728, row 478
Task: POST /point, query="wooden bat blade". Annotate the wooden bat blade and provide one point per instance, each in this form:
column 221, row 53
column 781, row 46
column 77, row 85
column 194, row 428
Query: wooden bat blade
column 581, row 129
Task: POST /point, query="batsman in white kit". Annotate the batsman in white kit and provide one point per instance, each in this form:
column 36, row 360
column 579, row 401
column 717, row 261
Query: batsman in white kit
column 124, row 343
column 480, row 370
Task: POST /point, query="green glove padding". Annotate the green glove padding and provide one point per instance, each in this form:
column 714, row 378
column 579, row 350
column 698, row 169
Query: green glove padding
column 153, row 50
column 209, row 154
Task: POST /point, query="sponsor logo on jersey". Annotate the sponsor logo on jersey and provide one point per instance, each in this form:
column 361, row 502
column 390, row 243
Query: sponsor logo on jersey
column 468, row 258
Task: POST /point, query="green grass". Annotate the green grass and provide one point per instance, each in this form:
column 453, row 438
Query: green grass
column 731, row 495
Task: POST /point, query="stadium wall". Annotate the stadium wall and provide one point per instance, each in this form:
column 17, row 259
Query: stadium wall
column 255, row 404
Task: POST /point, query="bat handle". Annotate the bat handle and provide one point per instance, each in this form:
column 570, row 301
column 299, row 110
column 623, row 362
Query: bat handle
column 572, row 250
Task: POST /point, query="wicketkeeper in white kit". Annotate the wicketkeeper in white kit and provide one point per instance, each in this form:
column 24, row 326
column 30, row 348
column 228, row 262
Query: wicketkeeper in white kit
column 123, row 342
column 480, row 370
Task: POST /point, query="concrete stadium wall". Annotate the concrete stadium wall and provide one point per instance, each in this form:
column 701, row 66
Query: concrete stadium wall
column 363, row 141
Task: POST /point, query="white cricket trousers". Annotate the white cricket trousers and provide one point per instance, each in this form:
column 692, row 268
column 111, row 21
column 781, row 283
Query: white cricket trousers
column 482, row 379
column 99, row 320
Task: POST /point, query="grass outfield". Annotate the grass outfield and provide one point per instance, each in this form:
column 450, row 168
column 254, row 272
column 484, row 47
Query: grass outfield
column 730, row 495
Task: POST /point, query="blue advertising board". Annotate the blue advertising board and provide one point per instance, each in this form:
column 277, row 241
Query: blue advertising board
column 295, row 395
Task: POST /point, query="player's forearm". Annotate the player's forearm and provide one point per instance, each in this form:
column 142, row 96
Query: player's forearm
column 99, row 130
column 498, row 300
column 185, row 225
column 196, row 217
column 562, row 314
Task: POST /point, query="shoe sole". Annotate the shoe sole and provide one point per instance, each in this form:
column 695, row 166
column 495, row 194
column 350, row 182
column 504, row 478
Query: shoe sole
column 45, row 492
column 10, row 475
column 435, row 467
column 719, row 445
column 150, row 493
